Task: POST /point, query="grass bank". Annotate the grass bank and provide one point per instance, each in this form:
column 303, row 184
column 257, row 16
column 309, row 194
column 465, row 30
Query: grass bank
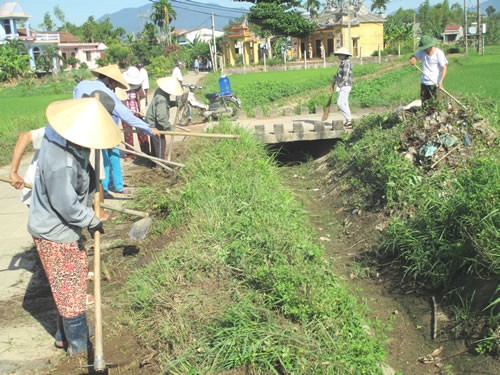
column 444, row 228
column 247, row 286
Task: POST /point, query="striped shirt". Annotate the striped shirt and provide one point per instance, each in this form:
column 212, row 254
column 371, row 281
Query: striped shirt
column 344, row 74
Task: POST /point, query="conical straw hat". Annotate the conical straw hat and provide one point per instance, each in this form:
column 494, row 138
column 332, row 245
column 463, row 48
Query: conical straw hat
column 170, row 85
column 113, row 72
column 84, row 122
column 342, row 51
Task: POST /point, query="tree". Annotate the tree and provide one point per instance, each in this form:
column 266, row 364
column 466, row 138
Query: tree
column 379, row 6
column 162, row 16
column 14, row 60
column 312, row 7
column 88, row 30
column 490, row 11
column 45, row 61
column 280, row 19
column 48, row 23
column 492, row 31
column 59, row 14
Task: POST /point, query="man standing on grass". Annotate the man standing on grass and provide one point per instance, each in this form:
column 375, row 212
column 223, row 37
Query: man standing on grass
column 434, row 68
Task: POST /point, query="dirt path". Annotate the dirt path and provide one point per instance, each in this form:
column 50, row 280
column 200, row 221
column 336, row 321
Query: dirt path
column 26, row 307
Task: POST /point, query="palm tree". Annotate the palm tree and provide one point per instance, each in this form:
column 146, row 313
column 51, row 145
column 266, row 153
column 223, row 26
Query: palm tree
column 379, row 6
column 312, row 7
column 162, row 15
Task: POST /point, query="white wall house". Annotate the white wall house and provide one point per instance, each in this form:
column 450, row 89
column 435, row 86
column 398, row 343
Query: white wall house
column 204, row 34
column 14, row 25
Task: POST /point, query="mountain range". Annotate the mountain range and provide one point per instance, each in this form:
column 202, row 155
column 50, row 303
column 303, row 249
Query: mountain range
column 193, row 15
column 190, row 15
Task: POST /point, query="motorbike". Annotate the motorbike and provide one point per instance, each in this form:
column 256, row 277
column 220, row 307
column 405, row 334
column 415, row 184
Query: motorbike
column 218, row 105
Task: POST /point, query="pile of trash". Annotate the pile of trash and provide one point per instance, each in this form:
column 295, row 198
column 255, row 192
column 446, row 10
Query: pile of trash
column 441, row 137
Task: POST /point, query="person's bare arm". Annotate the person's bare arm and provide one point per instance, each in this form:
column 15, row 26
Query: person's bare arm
column 22, row 143
column 443, row 74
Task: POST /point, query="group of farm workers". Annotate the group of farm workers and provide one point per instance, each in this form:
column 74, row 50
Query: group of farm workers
column 434, row 68
column 63, row 171
column 63, row 177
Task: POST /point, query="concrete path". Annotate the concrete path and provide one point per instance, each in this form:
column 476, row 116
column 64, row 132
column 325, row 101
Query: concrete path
column 26, row 307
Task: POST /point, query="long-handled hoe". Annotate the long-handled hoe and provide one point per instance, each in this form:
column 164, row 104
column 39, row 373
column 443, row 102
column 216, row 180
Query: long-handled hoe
column 139, row 228
column 441, row 88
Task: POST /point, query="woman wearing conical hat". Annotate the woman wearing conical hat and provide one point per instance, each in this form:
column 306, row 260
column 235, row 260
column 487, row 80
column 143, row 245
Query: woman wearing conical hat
column 108, row 78
column 158, row 111
column 342, row 82
column 60, row 210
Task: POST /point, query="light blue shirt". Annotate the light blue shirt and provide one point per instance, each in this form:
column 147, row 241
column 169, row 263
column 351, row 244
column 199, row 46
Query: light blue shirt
column 121, row 111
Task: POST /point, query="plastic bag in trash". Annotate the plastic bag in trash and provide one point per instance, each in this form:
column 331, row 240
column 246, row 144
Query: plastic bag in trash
column 427, row 150
column 448, row 140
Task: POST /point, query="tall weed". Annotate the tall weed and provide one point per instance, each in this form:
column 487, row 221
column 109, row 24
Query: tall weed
column 283, row 310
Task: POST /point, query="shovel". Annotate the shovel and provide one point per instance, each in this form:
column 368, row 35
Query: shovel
column 140, row 228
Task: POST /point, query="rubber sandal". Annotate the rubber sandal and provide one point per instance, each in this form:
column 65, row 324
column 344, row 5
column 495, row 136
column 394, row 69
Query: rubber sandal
column 59, row 345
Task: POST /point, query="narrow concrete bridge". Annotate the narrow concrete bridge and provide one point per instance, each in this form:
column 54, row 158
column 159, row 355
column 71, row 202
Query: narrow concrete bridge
column 299, row 131
column 295, row 128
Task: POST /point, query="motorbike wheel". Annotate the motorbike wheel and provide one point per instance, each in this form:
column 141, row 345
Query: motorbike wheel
column 235, row 109
column 184, row 118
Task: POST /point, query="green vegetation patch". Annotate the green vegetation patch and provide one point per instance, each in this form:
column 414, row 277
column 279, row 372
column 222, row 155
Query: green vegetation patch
column 250, row 283
column 257, row 89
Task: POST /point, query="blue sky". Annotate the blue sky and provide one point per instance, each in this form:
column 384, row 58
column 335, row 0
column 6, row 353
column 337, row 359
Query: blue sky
column 78, row 11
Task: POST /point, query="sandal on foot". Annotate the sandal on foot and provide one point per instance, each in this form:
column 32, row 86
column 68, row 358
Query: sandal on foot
column 59, row 345
column 348, row 124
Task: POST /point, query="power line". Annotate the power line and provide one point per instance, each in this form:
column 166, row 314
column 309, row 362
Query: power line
column 200, row 12
column 221, row 8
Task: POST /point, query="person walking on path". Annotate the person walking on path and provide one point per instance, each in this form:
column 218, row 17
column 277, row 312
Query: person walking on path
column 342, row 83
column 197, row 65
column 434, row 68
column 177, row 73
column 143, row 73
column 60, row 208
column 158, row 114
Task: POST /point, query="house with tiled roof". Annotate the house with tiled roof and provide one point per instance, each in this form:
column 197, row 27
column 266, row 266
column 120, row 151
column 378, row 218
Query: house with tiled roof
column 356, row 29
column 14, row 25
column 452, row 33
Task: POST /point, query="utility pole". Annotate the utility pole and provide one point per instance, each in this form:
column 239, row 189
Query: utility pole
column 214, row 56
column 349, row 25
column 466, row 30
column 479, row 30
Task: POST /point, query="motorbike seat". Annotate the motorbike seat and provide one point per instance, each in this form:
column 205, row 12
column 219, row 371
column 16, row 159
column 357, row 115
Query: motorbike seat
column 212, row 96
